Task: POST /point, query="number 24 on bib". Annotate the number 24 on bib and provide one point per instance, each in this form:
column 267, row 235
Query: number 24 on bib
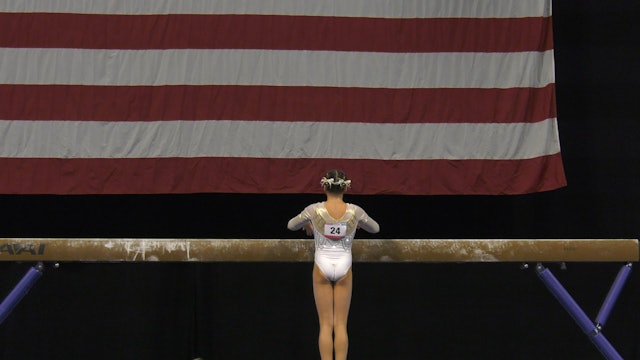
column 335, row 231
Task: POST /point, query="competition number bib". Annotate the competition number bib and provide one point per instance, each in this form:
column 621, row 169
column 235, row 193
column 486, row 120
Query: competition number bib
column 335, row 231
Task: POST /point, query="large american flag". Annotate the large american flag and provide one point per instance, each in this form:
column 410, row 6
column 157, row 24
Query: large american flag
column 248, row 96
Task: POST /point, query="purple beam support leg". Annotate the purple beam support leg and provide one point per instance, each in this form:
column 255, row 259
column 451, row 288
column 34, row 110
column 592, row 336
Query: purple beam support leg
column 19, row 291
column 587, row 326
column 612, row 296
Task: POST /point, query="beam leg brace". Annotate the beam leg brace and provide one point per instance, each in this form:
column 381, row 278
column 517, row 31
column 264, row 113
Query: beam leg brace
column 612, row 296
column 19, row 291
column 591, row 329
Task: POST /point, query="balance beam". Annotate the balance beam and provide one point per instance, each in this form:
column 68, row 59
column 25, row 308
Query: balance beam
column 299, row 250
column 364, row 250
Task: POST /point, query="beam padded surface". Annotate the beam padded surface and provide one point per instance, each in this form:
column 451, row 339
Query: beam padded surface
column 297, row 250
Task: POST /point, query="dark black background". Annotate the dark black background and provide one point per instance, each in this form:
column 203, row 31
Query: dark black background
column 399, row 311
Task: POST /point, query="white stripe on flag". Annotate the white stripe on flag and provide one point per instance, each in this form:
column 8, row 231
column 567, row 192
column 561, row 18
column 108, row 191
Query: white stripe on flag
column 278, row 68
column 270, row 139
column 349, row 8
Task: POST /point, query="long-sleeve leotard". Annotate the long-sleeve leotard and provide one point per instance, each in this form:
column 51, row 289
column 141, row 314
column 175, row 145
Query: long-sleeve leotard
column 333, row 238
column 343, row 229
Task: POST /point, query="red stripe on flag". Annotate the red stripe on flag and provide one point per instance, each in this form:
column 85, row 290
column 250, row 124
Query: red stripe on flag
column 252, row 175
column 177, row 31
column 278, row 103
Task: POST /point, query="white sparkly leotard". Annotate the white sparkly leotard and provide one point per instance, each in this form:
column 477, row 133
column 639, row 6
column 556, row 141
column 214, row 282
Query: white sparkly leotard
column 333, row 237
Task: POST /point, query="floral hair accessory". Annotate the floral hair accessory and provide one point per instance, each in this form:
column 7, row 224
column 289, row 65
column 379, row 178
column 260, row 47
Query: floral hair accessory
column 331, row 181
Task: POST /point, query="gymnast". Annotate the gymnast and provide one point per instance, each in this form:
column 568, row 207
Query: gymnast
column 333, row 224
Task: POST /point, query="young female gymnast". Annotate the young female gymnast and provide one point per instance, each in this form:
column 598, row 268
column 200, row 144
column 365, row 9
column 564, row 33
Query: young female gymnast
column 333, row 224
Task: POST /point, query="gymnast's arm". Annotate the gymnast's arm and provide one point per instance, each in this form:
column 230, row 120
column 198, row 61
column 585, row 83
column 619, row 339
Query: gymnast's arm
column 301, row 219
column 365, row 222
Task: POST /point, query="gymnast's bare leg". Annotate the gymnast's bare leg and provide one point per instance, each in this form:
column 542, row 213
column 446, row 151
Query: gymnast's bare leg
column 332, row 301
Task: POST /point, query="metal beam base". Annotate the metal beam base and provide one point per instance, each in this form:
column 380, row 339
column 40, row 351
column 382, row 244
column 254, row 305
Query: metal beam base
column 20, row 290
column 593, row 330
